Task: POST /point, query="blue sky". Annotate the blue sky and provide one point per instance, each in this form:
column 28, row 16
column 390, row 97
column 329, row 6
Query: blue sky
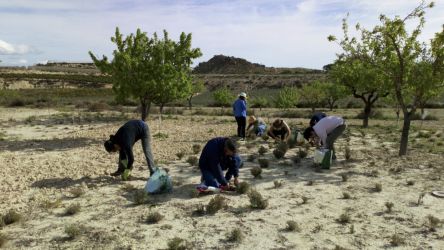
column 275, row 33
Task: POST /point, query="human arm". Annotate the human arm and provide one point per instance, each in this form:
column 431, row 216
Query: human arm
column 287, row 128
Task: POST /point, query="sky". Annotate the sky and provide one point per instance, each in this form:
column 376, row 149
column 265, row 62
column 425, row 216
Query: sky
column 276, row 33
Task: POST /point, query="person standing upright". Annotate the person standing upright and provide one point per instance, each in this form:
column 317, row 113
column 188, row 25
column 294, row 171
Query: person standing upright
column 240, row 113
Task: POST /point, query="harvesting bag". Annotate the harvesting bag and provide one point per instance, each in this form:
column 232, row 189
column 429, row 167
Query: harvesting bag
column 323, row 157
column 159, row 182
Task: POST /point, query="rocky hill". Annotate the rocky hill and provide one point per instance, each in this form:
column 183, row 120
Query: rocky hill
column 220, row 64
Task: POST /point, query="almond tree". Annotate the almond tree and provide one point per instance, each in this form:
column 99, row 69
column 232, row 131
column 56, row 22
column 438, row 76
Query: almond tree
column 414, row 69
column 152, row 70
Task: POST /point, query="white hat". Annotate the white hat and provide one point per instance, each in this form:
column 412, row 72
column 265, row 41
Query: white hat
column 243, row 94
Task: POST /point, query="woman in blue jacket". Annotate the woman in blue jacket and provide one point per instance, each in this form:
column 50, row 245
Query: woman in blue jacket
column 240, row 113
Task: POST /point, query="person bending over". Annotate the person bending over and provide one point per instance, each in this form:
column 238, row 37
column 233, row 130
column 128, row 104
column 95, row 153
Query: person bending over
column 123, row 142
column 279, row 130
column 326, row 132
column 256, row 126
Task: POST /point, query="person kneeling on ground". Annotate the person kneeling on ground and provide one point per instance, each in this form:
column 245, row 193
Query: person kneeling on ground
column 256, row 126
column 123, row 141
column 317, row 117
column 279, row 130
column 325, row 132
column 219, row 154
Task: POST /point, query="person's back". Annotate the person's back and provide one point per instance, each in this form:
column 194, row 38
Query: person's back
column 212, row 152
column 328, row 123
column 316, row 118
column 240, row 108
column 129, row 133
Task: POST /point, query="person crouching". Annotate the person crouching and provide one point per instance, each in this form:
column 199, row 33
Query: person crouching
column 219, row 154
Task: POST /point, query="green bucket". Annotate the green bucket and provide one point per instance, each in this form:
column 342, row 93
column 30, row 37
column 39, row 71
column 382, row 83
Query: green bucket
column 326, row 162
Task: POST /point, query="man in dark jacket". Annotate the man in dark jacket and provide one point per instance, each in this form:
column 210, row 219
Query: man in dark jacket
column 219, row 154
column 317, row 117
column 123, row 141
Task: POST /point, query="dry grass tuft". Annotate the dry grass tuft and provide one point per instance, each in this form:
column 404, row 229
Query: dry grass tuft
column 74, row 231
column 256, row 200
column 196, row 148
column 73, row 209
column 177, row 243
column 153, row 218
column 396, row 240
column 256, row 171
column 77, row 192
column 140, row 197
column 292, row 226
column 193, row 160
column 235, row 236
column 11, row 217
column 243, row 187
column 217, row 203
column 262, row 150
column 389, row 206
column 277, row 183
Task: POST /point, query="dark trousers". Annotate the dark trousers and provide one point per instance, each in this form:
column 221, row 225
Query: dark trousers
column 333, row 136
column 241, row 125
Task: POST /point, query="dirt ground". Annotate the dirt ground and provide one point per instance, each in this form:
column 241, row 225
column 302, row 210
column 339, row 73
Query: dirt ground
column 45, row 155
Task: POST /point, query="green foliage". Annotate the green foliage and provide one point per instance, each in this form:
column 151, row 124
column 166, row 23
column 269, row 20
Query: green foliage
column 260, row 102
column 223, row 97
column 286, row 98
column 392, row 56
column 312, row 94
column 149, row 69
column 333, row 93
column 197, row 87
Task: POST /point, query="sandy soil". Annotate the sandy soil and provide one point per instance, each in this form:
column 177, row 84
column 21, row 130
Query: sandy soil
column 42, row 160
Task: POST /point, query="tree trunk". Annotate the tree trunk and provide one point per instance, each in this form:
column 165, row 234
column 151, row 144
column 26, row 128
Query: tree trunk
column 145, row 106
column 367, row 112
column 331, row 105
column 405, row 134
column 190, row 106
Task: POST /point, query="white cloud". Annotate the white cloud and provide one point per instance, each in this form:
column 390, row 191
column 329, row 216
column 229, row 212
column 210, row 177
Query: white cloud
column 23, row 61
column 11, row 49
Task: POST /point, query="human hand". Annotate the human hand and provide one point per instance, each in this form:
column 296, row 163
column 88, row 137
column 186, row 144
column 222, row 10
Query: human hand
column 236, row 182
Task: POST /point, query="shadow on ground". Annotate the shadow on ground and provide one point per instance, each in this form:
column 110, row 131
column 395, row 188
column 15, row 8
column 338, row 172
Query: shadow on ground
column 47, row 145
column 69, row 182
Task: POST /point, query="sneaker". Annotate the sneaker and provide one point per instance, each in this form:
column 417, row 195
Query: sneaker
column 126, row 174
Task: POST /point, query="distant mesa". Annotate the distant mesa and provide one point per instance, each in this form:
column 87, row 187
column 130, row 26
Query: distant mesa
column 221, row 64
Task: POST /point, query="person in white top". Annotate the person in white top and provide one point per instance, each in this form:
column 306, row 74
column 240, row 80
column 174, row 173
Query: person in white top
column 325, row 132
